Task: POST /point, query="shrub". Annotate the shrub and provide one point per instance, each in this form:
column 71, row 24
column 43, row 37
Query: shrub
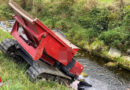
column 85, row 21
column 5, row 11
column 101, row 19
column 115, row 20
column 77, row 35
column 96, row 18
column 63, row 25
column 91, row 34
column 49, row 23
column 116, row 38
column 126, row 18
column 65, row 7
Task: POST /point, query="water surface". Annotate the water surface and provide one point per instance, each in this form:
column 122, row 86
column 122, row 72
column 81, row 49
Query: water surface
column 103, row 78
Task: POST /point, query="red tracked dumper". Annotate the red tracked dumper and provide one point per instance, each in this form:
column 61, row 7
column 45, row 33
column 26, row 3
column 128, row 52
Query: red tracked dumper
column 48, row 52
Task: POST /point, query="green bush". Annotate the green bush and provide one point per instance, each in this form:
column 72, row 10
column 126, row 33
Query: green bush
column 115, row 19
column 126, row 18
column 49, row 23
column 77, row 35
column 116, row 38
column 65, row 7
column 91, row 34
column 5, row 11
column 96, row 18
column 63, row 25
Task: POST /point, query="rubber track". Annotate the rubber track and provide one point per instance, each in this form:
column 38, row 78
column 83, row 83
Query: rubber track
column 6, row 45
column 34, row 75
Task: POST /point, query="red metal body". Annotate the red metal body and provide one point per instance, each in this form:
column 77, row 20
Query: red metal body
column 43, row 40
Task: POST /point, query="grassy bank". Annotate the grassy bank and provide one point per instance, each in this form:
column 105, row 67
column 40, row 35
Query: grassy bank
column 98, row 48
column 14, row 77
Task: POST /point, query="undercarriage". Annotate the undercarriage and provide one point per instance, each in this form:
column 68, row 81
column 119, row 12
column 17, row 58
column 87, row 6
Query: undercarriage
column 38, row 70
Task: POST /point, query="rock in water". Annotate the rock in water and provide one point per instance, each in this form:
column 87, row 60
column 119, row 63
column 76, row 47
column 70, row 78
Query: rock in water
column 112, row 64
column 113, row 52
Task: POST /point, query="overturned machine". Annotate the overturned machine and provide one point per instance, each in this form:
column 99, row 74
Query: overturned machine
column 48, row 52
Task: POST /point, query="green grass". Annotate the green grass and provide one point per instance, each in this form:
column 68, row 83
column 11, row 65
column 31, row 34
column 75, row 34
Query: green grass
column 14, row 77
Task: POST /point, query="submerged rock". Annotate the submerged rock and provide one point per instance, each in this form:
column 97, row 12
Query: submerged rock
column 113, row 52
column 112, row 64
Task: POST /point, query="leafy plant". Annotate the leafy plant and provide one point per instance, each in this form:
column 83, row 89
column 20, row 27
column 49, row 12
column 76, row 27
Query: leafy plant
column 116, row 38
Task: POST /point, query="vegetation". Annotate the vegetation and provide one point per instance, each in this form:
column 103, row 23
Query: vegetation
column 14, row 77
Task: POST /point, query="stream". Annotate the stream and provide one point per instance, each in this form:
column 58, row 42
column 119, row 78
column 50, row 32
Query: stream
column 101, row 77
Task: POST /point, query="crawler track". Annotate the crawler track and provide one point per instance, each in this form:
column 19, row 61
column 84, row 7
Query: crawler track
column 35, row 75
column 8, row 46
column 38, row 70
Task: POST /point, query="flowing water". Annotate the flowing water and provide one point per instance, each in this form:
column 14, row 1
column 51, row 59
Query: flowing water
column 100, row 77
column 103, row 78
column 7, row 25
